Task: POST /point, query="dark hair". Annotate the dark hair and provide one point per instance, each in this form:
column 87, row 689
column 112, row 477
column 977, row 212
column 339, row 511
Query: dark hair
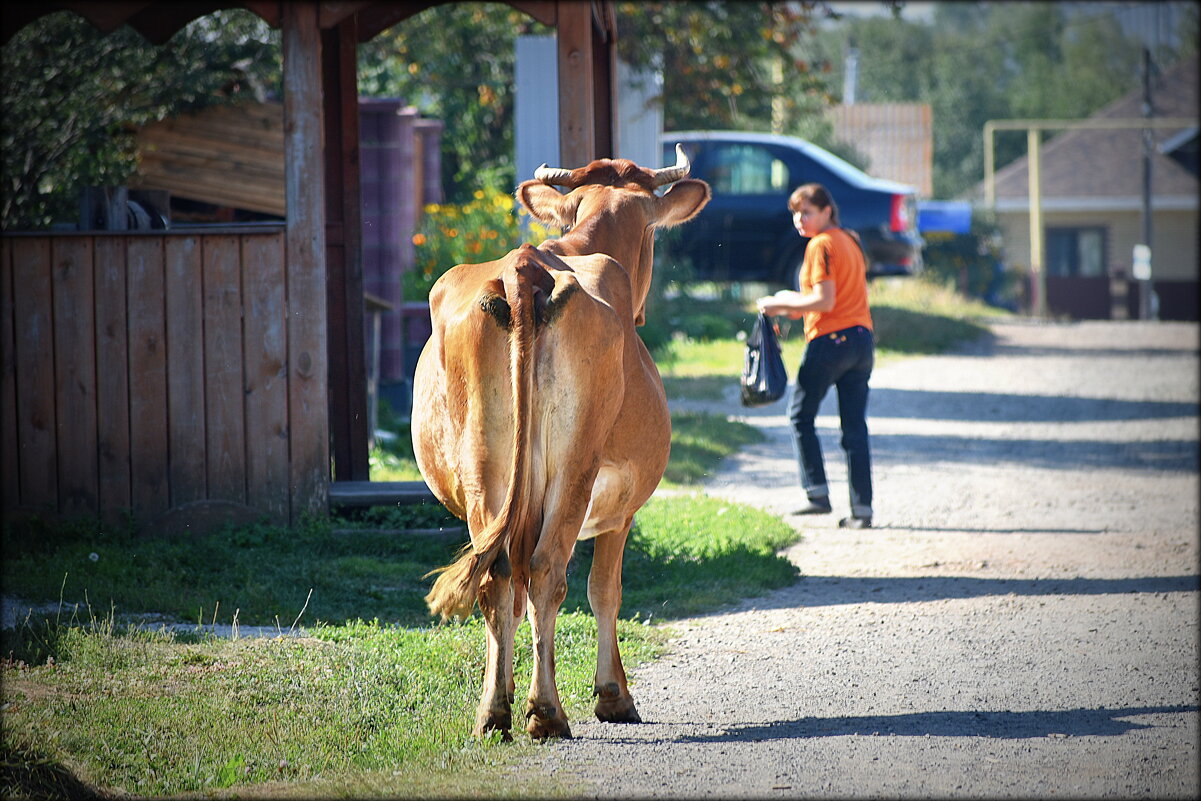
column 815, row 195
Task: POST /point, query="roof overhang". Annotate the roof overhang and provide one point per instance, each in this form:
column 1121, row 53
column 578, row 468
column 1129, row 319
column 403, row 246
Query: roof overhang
column 1068, row 205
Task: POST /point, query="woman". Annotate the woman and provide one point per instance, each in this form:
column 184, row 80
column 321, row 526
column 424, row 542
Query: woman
column 840, row 350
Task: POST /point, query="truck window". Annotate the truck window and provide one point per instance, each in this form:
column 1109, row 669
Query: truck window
column 740, row 169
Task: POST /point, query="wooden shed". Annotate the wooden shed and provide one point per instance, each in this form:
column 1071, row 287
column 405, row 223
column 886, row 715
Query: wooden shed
column 195, row 375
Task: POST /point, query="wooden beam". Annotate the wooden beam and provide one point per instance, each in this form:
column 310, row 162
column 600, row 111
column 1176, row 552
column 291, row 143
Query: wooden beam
column 349, row 419
column 160, row 21
column 268, row 10
column 106, row 17
column 333, row 14
column 604, row 82
column 577, row 99
column 545, row 11
column 379, row 17
column 304, row 182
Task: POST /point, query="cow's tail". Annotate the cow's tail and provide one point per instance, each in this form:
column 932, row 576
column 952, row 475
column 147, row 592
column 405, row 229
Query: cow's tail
column 518, row 302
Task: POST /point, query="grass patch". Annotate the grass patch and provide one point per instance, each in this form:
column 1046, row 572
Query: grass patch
column 922, row 316
column 699, row 442
column 356, row 708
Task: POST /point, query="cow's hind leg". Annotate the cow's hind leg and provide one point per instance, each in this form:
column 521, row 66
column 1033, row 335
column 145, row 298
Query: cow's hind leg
column 548, row 587
column 496, row 605
column 613, row 704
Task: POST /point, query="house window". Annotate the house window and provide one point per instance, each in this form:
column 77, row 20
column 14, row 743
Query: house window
column 748, row 170
column 1076, row 252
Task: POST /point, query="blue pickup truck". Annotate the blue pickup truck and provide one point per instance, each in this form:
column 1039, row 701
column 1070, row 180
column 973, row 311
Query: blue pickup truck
column 746, row 232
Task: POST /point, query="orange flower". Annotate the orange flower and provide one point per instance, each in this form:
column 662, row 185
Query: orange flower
column 419, row 239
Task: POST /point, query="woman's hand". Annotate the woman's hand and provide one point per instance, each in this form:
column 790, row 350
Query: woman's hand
column 782, row 304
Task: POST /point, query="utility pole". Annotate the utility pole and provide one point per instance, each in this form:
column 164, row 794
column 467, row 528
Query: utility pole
column 1142, row 264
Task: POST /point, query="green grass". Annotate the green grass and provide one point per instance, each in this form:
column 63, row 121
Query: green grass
column 353, row 709
column 699, row 442
column 358, row 709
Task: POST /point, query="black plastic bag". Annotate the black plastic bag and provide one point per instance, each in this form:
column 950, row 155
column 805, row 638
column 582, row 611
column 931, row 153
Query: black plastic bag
column 763, row 377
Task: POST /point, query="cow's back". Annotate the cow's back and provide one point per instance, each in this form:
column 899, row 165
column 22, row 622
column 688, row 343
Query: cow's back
column 462, row 420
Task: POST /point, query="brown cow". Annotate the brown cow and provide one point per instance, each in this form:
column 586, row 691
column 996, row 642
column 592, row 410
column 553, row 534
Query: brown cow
column 540, row 419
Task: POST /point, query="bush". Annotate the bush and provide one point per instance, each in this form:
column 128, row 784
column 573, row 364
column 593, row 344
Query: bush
column 483, row 229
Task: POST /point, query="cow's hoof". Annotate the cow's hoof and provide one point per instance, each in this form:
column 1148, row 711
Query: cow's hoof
column 546, row 721
column 493, row 720
column 614, row 706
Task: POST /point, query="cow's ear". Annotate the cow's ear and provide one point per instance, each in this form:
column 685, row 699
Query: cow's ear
column 546, row 205
column 682, row 202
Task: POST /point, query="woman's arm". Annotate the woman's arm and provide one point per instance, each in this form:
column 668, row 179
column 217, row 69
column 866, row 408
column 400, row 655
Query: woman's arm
column 792, row 304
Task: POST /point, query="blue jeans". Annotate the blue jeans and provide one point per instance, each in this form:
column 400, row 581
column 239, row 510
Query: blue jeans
column 844, row 360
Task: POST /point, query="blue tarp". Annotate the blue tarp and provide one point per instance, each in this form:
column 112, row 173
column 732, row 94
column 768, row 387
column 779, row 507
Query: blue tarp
column 944, row 216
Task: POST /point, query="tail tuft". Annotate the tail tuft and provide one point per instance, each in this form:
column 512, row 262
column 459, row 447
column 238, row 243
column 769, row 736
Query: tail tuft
column 456, row 588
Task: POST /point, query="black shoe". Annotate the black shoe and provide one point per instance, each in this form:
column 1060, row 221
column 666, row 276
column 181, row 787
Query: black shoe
column 814, row 507
column 855, row 522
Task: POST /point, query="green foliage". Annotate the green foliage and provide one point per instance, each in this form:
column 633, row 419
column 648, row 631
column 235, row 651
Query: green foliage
column 482, row 229
column 738, row 65
column 72, row 96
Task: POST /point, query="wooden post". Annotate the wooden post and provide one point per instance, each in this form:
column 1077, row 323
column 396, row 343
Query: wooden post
column 348, row 412
column 304, row 187
column 577, row 94
column 1038, row 267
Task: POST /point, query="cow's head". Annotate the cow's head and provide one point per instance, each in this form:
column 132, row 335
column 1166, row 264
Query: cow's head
column 611, row 207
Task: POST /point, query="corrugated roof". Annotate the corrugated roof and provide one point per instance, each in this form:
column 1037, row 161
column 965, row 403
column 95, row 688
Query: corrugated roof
column 897, row 138
column 1098, row 164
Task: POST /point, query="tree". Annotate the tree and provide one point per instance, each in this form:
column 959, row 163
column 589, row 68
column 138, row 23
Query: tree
column 979, row 61
column 72, row 95
column 726, row 65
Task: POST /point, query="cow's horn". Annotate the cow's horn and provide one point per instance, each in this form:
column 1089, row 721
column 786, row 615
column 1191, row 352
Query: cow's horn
column 668, row 175
column 555, row 176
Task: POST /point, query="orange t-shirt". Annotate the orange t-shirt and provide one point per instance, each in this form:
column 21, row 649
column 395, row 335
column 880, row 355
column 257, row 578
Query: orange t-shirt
column 834, row 256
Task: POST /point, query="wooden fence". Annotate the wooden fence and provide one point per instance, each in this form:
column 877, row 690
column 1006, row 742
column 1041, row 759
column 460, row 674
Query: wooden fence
column 148, row 373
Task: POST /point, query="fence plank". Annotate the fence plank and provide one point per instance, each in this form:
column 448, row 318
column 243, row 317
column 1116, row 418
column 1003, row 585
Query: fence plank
column 225, row 433
column 36, row 425
column 10, row 477
column 75, row 374
column 266, row 364
column 150, row 487
column 185, row 369
column 112, row 378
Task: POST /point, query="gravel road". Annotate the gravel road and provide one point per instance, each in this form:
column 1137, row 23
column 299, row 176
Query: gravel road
column 1021, row 622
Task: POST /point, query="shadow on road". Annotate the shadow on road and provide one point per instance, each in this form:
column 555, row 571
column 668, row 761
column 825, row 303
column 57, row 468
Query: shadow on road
column 1001, row 407
column 1001, row 725
column 1157, row 455
column 811, row 591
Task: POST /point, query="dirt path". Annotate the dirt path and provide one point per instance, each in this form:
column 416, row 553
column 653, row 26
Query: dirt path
column 1021, row 623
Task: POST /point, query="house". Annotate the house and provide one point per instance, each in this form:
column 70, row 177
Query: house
column 1092, row 202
